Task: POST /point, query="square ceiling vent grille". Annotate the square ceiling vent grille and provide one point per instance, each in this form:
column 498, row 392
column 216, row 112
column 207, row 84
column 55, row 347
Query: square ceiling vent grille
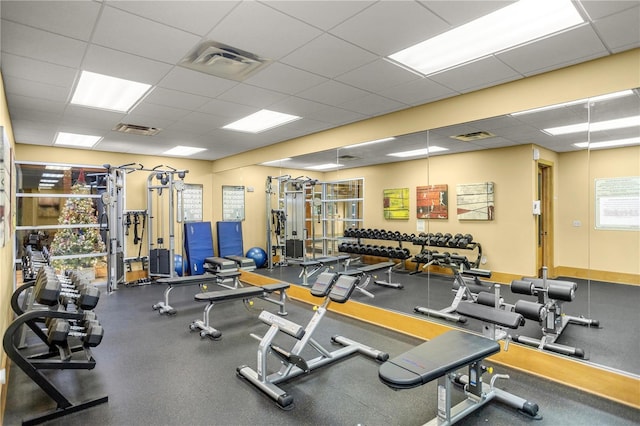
column 223, row 61
column 135, row 129
column 474, row 136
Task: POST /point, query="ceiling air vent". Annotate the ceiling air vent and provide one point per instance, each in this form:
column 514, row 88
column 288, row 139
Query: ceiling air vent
column 348, row 158
column 474, row 136
column 134, row 129
column 223, row 61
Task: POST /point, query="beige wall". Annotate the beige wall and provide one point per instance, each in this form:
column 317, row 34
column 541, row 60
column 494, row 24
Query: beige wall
column 6, row 252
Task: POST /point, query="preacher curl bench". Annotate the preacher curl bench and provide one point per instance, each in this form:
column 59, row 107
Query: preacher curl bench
column 442, row 356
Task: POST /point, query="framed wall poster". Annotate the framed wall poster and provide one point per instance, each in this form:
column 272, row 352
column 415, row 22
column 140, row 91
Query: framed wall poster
column 475, row 201
column 232, row 202
column 432, row 202
column 617, row 203
column 396, row 204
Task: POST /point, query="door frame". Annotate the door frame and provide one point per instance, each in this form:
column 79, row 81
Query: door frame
column 545, row 222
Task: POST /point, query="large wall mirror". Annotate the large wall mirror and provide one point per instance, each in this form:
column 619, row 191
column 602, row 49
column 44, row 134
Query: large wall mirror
column 560, row 187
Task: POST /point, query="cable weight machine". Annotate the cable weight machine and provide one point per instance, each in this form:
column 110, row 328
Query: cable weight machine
column 163, row 186
column 120, row 220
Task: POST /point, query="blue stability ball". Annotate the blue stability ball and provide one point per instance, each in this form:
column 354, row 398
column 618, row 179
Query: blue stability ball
column 258, row 255
column 178, row 264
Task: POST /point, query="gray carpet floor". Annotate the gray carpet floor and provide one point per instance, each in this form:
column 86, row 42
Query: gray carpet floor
column 156, row 371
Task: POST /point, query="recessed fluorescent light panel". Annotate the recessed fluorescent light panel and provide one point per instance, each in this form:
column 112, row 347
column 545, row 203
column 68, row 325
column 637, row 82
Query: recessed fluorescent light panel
column 275, row 162
column 183, row 151
column 620, row 123
column 105, row 92
column 608, row 144
column 261, row 121
column 578, row 102
column 52, row 167
column 513, row 25
column 418, row 152
column 74, row 139
column 358, row 145
column 326, row 166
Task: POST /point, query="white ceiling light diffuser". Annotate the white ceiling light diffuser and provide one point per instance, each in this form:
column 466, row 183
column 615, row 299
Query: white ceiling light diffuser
column 77, row 140
column 261, row 121
column 326, row 166
column 608, row 144
column 513, row 25
column 105, row 92
column 418, row 152
column 619, row 123
column 183, row 151
column 358, row 145
column 275, row 162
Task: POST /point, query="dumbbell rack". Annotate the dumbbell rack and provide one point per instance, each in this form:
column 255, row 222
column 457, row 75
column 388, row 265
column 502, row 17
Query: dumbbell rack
column 390, row 252
column 448, row 242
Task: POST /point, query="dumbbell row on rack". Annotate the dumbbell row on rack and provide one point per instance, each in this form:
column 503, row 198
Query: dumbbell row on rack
column 375, row 250
column 378, row 234
column 444, row 240
column 50, row 291
column 446, row 258
column 59, row 331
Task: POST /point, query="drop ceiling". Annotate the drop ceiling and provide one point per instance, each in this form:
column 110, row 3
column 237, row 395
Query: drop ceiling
column 327, row 66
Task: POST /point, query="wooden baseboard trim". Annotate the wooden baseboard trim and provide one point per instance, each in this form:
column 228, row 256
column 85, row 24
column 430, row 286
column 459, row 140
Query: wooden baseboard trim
column 599, row 381
column 596, row 275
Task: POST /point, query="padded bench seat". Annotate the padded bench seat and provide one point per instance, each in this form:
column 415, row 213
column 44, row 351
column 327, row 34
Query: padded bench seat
column 239, row 293
column 376, row 266
column 244, row 293
column 491, row 315
column 190, row 280
column 435, row 358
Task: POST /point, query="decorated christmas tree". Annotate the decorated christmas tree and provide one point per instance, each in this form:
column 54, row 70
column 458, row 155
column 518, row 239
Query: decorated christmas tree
column 71, row 241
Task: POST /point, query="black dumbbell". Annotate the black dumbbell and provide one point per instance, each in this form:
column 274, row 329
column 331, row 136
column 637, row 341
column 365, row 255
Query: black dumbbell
column 465, row 241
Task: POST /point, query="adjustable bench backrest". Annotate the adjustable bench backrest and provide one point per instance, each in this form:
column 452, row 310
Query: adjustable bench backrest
column 239, row 293
column 343, row 288
column 323, row 284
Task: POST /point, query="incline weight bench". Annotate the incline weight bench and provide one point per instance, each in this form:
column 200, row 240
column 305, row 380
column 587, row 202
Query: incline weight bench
column 244, row 293
column 311, row 267
column 442, row 356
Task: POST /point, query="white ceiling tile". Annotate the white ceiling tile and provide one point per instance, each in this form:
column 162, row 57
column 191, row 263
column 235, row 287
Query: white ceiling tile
column 252, row 96
column 321, row 14
column 176, row 99
column 35, row 89
column 20, row 104
column 34, row 132
column 100, row 120
column 199, row 123
column 389, row 26
column 372, row 105
column 337, row 116
column 297, row 106
column 130, row 33
column 39, row 71
column 328, row 56
column 41, row 45
column 124, row 65
column 484, row 72
column 620, row 31
column 197, row 83
column 263, row 31
column 417, row 92
column 598, row 9
column 226, row 109
column 159, row 111
column 557, row 51
column 70, row 19
column 377, row 75
column 462, row 11
column 285, row 79
column 332, row 93
column 197, row 17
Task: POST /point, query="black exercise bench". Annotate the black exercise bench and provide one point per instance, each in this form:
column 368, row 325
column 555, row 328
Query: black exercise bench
column 311, row 267
column 442, row 356
column 245, row 294
column 220, row 278
column 368, row 271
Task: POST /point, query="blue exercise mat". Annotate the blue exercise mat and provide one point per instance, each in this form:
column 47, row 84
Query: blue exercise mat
column 198, row 244
column 229, row 238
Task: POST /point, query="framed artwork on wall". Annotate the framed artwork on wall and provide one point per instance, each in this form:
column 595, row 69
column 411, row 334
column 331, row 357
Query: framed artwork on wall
column 475, row 201
column 396, row 204
column 432, row 202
